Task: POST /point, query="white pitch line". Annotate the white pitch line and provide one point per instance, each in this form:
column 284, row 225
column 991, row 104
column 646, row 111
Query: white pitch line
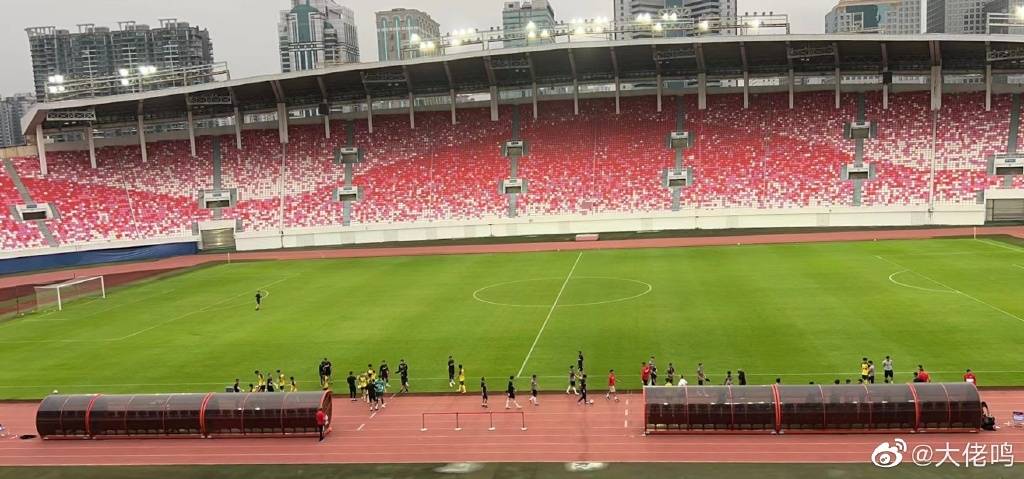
column 550, row 312
column 1019, row 266
column 157, row 325
column 360, row 428
column 957, row 291
column 1004, row 246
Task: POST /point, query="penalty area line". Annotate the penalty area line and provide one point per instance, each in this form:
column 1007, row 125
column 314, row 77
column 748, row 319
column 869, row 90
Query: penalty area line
column 550, row 312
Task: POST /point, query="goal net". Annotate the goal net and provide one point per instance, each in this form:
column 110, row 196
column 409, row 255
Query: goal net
column 60, row 294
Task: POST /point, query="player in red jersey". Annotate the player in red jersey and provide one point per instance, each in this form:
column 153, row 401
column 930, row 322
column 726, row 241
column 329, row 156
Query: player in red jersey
column 611, row 386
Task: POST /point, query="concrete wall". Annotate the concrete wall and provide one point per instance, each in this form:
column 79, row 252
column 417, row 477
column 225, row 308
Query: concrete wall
column 576, row 224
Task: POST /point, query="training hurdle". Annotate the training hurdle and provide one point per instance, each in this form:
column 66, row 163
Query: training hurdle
column 459, row 415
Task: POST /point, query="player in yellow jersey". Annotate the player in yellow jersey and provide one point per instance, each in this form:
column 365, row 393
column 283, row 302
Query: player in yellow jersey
column 292, row 387
column 462, row 380
column 261, row 381
column 281, row 379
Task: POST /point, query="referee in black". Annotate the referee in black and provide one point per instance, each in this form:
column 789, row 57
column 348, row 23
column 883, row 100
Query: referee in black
column 583, row 391
column 451, row 371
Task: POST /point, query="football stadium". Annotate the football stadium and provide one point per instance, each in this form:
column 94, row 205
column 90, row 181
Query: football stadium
column 699, row 256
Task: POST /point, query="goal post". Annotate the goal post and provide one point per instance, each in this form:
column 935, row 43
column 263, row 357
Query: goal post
column 60, row 294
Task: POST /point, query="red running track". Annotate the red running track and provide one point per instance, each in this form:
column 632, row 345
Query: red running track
column 559, row 430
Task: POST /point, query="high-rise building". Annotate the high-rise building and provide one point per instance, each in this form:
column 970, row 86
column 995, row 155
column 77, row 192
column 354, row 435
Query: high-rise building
column 708, row 8
column 95, row 52
column 875, row 16
column 399, row 29
column 628, row 10
column 317, row 33
column 11, row 110
column 1011, row 7
column 956, row 16
column 522, row 17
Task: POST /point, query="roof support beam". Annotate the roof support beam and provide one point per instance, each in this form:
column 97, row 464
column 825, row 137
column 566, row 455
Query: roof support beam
column 935, row 51
column 282, row 123
column 238, row 128
column 451, row 90
column 746, row 76
column 190, row 123
column 275, row 85
column 702, row 91
column 41, row 148
column 142, row 133
column 87, row 132
column 575, row 82
column 618, row 83
column 885, row 69
column 492, row 81
column 412, row 98
column 657, row 73
column 839, row 75
column 988, row 78
column 369, row 103
column 533, row 81
column 701, row 65
column 324, row 99
column 792, row 88
column 238, row 119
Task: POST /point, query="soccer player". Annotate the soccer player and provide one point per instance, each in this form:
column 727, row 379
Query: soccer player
column 682, row 380
column 654, row 372
column 645, row 372
column 380, row 386
column 385, row 373
column 351, row 379
column 583, row 391
column 253, row 388
column 741, row 376
column 871, row 372
column 327, row 372
column 259, row 298
column 923, row 375
column 670, row 374
column 403, row 373
column 281, row 379
column 701, row 378
column 571, row 389
column 864, row 366
column 462, row 380
column 483, row 392
column 970, row 378
column 728, row 379
column 371, row 394
column 292, row 387
column 270, row 384
column 579, row 361
column 511, row 391
column 321, row 422
column 236, row 387
column 371, row 373
column 887, row 369
column 533, row 390
column 363, row 382
column 611, row 386
column 261, row 381
column 451, row 371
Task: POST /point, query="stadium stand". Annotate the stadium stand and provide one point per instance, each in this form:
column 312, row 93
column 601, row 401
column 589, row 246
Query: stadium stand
column 764, row 156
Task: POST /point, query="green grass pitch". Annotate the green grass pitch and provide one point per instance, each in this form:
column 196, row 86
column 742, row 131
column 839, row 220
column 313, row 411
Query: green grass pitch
column 804, row 312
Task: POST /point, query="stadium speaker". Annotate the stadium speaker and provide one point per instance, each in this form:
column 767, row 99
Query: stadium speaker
column 887, row 78
column 324, row 109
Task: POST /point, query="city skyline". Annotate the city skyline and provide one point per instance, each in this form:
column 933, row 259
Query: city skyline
column 250, row 47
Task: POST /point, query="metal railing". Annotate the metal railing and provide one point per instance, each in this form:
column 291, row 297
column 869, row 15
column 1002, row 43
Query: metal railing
column 490, row 418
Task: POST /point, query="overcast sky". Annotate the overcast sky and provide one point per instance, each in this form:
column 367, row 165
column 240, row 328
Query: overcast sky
column 244, row 32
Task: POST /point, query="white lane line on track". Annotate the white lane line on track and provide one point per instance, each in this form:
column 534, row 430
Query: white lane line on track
column 360, row 428
column 957, row 291
column 550, row 312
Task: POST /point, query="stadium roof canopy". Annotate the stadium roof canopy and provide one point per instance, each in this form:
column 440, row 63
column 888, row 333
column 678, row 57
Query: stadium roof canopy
column 559, row 64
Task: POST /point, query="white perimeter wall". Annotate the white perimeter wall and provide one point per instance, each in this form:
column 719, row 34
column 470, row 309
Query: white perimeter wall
column 973, row 215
